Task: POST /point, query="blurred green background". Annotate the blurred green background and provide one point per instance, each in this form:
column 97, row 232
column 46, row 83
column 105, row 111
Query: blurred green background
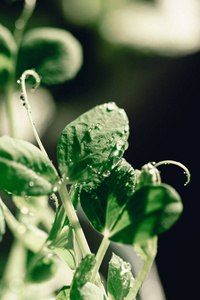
column 145, row 56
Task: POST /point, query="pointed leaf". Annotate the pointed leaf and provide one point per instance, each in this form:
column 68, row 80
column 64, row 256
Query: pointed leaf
column 82, row 276
column 93, row 143
column 25, row 170
column 54, row 53
column 103, row 200
column 64, row 293
column 120, row 278
column 63, row 246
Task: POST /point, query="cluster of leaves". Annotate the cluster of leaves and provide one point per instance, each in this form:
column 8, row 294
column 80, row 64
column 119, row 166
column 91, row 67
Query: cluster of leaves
column 125, row 205
column 54, row 53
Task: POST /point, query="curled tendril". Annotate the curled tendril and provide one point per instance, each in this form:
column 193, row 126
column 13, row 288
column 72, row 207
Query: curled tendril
column 24, row 98
column 172, row 162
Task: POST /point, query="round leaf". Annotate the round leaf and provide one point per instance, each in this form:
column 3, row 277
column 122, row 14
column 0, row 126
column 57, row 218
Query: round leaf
column 150, row 211
column 93, row 144
column 54, row 53
column 25, row 170
column 7, row 49
column 103, row 199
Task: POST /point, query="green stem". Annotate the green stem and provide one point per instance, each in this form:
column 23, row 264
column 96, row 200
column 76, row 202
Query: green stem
column 140, row 279
column 21, row 22
column 176, row 163
column 74, row 222
column 28, row 9
column 147, row 251
column 9, row 106
column 99, row 257
column 73, row 219
column 15, row 267
column 27, row 106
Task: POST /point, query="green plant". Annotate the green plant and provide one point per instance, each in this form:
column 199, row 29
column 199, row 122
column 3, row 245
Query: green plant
column 125, row 205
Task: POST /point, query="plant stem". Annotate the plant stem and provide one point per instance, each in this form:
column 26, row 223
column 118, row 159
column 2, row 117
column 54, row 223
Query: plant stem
column 149, row 251
column 74, row 222
column 140, row 279
column 99, row 256
column 73, row 219
column 15, row 267
column 21, row 22
column 20, row 26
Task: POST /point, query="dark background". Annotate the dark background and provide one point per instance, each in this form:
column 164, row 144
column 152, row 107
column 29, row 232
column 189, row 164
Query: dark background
column 161, row 98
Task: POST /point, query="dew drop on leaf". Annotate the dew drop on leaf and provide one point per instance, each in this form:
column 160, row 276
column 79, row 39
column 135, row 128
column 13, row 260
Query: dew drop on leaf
column 110, row 106
column 106, row 174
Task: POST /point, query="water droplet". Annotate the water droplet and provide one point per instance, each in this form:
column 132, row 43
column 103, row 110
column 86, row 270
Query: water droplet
column 106, row 174
column 67, row 178
column 31, row 183
column 19, row 24
column 110, row 106
column 55, row 189
column 21, row 229
column 24, row 210
column 18, row 81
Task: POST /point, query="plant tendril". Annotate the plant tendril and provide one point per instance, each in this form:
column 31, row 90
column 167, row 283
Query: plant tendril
column 24, row 98
column 172, row 162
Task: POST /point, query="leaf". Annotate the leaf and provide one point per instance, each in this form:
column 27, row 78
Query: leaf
column 64, row 293
column 63, row 246
column 42, row 270
column 120, row 278
column 7, row 42
column 54, row 53
column 61, row 218
column 150, row 211
column 25, row 170
column 147, row 249
column 32, row 237
column 103, row 200
column 93, row 144
column 90, row 292
column 148, row 175
column 7, row 50
column 2, row 223
column 115, row 210
column 82, row 276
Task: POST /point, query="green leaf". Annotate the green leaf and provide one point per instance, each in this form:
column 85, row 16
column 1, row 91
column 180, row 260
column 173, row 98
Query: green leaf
column 63, row 246
column 61, row 218
column 82, row 276
column 120, row 278
column 89, row 292
column 64, row 293
column 54, row 53
column 7, row 50
column 148, row 175
column 147, row 249
column 7, row 42
column 32, row 237
column 25, row 170
column 125, row 216
column 150, row 211
column 42, row 269
column 2, row 223
column 103, row 199
column 93, row 144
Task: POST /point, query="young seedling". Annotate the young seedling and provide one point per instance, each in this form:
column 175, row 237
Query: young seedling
column 125, row 205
